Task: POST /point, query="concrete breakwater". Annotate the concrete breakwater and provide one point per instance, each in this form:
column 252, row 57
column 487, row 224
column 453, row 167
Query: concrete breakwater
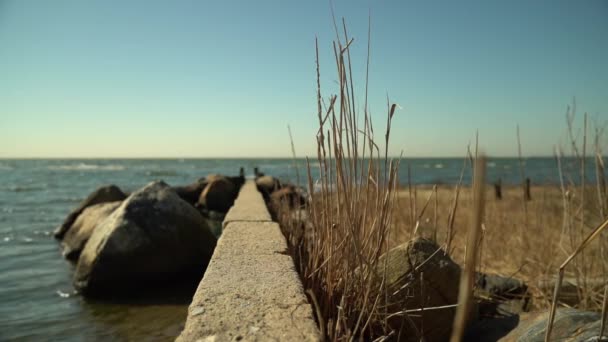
column 251, row 290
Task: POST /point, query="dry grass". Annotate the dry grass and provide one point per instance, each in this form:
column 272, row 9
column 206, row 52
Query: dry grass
column 530, row 251
column 357, row 212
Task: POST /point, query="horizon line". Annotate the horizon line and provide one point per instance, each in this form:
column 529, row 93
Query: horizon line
column 264, row 157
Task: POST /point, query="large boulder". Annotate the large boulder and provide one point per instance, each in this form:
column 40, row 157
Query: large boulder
column 289, row 196
column 569, row 325
column 211, row 177
column 238, row 181
column 76, row 238
column 104, row 194
column 267, row 184
column 152, row 237
column 401, row 270
column 191, row 192
column 219, row 194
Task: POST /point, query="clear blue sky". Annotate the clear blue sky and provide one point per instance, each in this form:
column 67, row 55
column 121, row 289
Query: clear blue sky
column 225, row 78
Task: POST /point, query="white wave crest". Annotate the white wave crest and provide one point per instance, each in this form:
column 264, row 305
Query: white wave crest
column 86, row 167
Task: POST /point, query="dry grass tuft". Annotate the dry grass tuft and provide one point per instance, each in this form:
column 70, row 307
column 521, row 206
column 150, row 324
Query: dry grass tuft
column 357, row 212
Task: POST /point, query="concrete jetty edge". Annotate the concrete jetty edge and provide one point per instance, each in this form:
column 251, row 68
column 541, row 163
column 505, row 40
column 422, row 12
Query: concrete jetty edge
column 250, row 291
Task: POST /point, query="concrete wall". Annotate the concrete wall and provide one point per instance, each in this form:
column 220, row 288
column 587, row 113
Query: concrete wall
column 250, row 290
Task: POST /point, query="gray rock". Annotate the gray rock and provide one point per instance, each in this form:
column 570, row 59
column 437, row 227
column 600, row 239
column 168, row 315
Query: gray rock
column 191, row 193
column 76, row 238
column 267, row 184
column 501, row 296
column 288, row 196
column 441, row 278
column 104, row 194
column 152, row 237
column 499, row 286
column 219, row 194
column 569, row 325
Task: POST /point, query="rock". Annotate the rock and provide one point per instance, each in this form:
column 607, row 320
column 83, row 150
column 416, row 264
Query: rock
column 76, row 238
column 289, row 196
column 219, row 194
column 491, row 328
column 501, row 295
column 212, row 176
column 569, row 325
column 110, row 193
column 500, row 287
column 190, row 193
column 267, row 184
column 441, row 278
column 152, row 237
column 571, row 290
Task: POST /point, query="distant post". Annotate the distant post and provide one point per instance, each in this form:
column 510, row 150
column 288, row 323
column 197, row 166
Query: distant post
column 498, row 189
column 527, row 190
column 257, row 172
column 242, row 172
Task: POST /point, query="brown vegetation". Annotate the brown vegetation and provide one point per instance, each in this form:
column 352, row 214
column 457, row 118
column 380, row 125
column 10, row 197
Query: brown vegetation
column 358, row 211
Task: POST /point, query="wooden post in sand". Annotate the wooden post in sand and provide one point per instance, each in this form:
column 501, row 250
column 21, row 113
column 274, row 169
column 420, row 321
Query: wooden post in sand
column 498, row 189
column 527, row 189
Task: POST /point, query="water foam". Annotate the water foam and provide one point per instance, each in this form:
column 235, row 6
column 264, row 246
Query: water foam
column 87, row 167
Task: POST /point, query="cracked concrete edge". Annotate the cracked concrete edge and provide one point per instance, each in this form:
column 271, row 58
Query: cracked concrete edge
column 251, row 290
column 248, row 206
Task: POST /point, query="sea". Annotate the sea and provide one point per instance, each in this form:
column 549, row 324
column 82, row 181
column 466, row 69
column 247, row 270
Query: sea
column 37, row 299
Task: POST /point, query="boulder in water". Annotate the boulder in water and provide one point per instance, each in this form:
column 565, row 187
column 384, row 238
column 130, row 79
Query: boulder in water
column 152, row 237
column 267, row 184
column 81, row 230
column 191, row 193
column 219, row 194
column 104, row 194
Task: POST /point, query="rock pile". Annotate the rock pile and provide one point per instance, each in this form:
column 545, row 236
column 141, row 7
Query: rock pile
column 158, row 234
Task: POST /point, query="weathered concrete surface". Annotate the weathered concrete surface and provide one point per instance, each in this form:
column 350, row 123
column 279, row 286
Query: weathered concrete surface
column 248, row 206
column 250, row 291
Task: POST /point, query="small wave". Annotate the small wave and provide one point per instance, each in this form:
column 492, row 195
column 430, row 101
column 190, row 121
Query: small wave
column 162, row 173
column 491, row 164
column 439, row 166
column 86, row 167
column 24, row 188
column 6, row 167
column 73, row 199
column 63, row 294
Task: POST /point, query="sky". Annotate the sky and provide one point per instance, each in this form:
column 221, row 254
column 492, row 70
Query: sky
column 225, row 78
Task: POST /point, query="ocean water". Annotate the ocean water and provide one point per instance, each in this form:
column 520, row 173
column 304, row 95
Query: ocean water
column 37, row 300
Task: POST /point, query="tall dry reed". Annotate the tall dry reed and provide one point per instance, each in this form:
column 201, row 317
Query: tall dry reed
column 348, row 221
